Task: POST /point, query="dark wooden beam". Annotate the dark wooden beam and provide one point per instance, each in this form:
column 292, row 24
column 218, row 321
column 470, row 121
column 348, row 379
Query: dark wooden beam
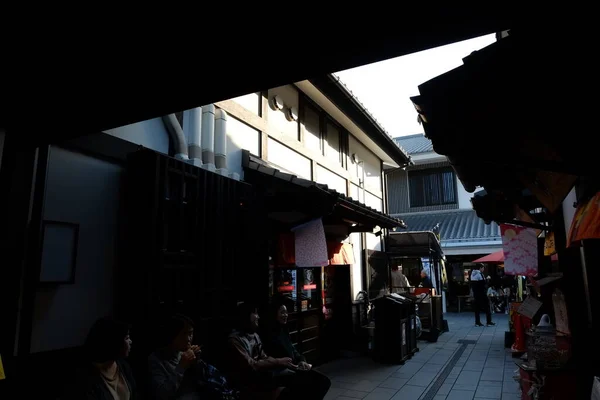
column 111, row 81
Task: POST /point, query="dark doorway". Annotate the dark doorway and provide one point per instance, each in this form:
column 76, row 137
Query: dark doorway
column 337, row 328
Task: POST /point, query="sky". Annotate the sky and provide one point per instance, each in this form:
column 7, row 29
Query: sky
column 385, row 87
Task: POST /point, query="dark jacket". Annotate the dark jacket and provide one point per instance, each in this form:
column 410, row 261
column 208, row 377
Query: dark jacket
column 280, row 345
column 479, row 288
column 88, row 385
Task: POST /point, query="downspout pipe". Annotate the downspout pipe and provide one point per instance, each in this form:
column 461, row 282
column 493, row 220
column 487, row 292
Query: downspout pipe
column 177, row 136
column 208, row 137
column 221, row 142
column 192, row 126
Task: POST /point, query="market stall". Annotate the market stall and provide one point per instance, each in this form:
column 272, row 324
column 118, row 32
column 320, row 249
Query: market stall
column 422, row 260
column 528, row 178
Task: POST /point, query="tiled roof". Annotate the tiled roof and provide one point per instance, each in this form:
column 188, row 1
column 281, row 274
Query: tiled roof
column 414, row 144
column 251, row 162
column 455, row 226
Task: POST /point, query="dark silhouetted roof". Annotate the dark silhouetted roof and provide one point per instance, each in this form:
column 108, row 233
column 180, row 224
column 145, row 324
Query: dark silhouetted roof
column 455, row 226
column 414, row 144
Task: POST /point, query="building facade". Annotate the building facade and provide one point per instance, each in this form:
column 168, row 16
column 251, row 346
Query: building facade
column 314, row 130
column 428, row 193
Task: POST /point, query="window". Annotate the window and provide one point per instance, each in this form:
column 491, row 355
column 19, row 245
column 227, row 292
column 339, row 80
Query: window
column 432, row 187
column 322, row 134
column 333, row 143
column 312, row 128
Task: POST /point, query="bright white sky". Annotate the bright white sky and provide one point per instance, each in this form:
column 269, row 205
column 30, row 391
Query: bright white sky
column 385, row 87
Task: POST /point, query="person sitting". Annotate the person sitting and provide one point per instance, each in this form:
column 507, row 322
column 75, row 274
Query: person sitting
column 426, row 280
column 400, row 282
column 255, row 373
column 496, row 299
column 280, row 345
column 106, row 375
column 178, row 372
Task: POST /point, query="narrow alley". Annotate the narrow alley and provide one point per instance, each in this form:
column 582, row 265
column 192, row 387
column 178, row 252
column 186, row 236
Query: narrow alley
column 467, row 362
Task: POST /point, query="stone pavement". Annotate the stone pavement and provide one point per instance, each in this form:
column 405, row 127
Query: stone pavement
column 444, row 370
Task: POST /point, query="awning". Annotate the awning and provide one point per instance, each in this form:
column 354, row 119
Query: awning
column 498, row 258
column 494, row 258
column 415, row 244
column 294, row 199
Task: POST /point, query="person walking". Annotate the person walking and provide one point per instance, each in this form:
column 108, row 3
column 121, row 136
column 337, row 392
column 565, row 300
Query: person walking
column 480, row 296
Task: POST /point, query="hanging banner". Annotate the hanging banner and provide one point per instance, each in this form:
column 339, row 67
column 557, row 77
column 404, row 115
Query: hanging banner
column 340, row 253
column 586, row 222
column 286, row 249
column 549, row 245
column 444, row 275
column 520, row 250
column 311, row 246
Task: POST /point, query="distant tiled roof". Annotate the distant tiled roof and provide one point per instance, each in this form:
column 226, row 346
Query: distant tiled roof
column 456, row 226
column 414, row 144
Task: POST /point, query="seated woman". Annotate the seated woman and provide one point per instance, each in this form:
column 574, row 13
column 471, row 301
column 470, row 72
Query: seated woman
column 178, row 372
column 106, row 375
column 280, row 345
column 254, row 372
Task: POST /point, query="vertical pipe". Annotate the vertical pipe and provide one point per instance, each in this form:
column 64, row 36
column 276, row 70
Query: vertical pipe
column 220, row 149
column 208, row 136
column 192, row 124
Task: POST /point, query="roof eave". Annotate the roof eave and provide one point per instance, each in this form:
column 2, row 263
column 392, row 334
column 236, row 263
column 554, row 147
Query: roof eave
column 338, row 94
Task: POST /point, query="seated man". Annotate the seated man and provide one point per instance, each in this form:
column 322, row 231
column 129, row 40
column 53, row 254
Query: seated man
column 254, row 372
column 176, row 370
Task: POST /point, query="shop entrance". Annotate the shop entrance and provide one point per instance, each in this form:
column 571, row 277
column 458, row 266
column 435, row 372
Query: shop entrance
column 337, row 326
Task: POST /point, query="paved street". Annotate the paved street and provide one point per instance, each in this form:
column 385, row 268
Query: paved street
column 444, row 370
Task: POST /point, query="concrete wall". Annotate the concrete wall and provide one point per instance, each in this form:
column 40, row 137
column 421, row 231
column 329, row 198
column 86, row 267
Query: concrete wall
column 151, row 134
column 464, row 197
column 277, row 119
column 332, row 180
column 251, row 102
column 240, row 136
column 288, row 159
column 371, row 163
column 86, row 191
column 90, row 188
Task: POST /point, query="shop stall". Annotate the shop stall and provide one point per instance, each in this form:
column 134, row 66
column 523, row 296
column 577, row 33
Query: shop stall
column 532, row 177
column 310, row 255
column 421, row 257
